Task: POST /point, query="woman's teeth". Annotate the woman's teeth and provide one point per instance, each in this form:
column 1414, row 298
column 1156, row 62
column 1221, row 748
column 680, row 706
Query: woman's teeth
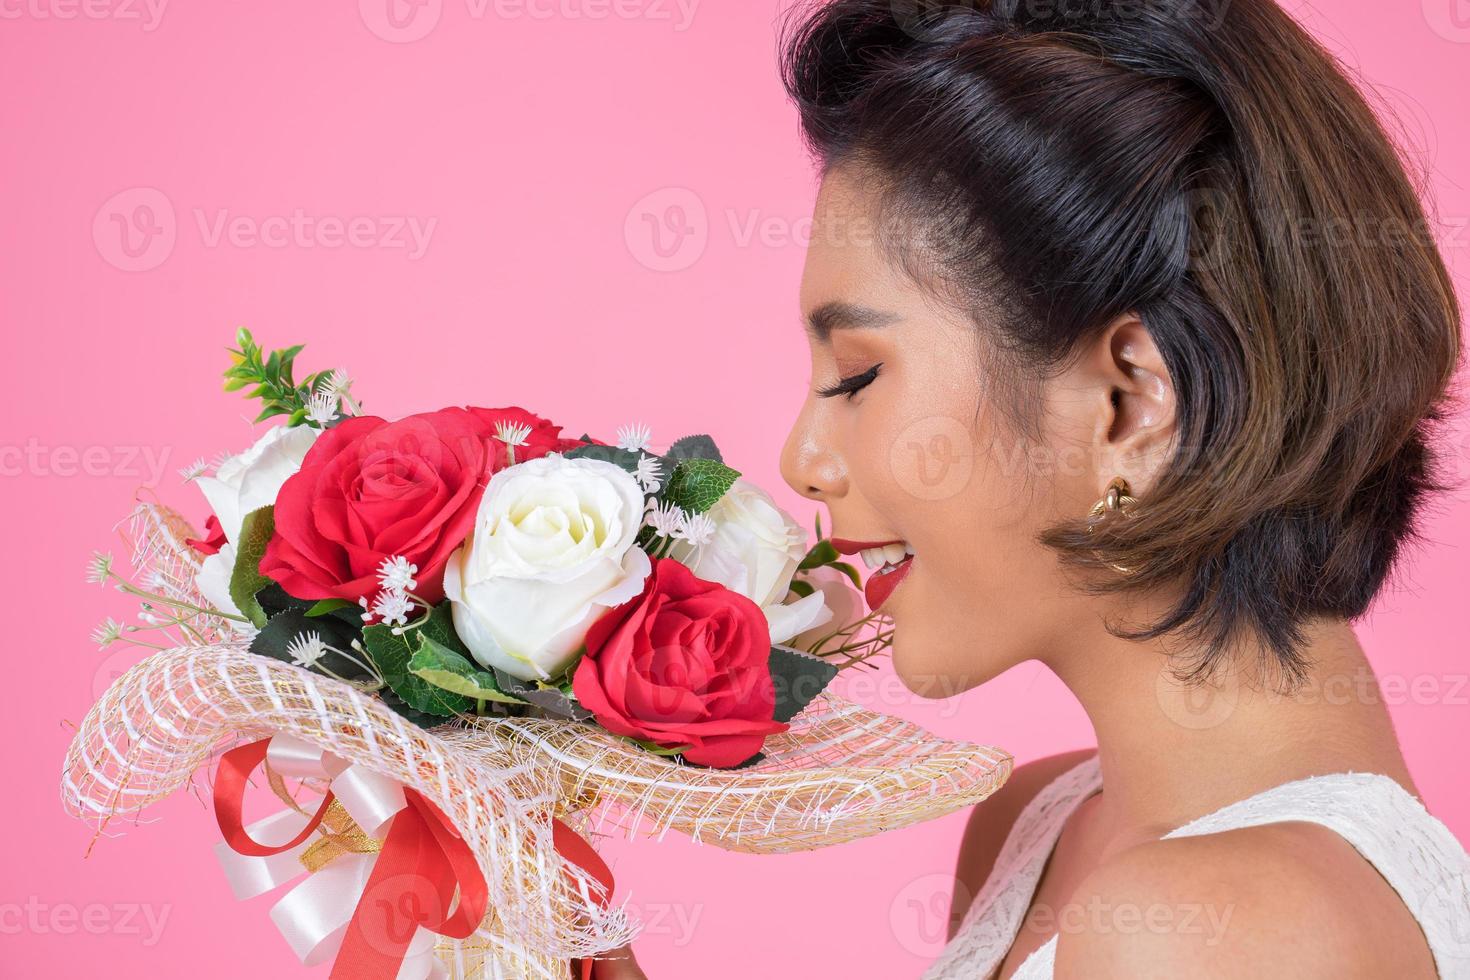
column 889, row 554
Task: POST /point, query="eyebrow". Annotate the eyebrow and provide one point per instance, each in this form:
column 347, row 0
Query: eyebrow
column 838, row 315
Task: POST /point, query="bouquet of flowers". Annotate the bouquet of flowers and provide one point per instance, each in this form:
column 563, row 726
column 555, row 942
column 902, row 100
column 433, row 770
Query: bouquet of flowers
column 462, row 631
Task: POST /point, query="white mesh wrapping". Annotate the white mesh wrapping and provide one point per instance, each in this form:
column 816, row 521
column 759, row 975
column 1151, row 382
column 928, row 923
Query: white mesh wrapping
column 840, row 773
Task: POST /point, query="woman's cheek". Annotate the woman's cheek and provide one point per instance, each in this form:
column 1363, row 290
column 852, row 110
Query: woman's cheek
column 929, row 453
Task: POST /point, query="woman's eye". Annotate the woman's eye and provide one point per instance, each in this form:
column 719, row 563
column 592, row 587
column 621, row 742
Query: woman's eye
column 851, row 385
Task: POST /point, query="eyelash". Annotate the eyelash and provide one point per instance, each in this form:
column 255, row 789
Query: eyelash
column 850, row 386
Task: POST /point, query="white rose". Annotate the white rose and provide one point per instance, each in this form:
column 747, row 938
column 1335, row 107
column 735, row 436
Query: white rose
column 552, row 548
column 241, row 484
column 844, row 602
column 213, row 580
column 754, row 551
column 252, row 479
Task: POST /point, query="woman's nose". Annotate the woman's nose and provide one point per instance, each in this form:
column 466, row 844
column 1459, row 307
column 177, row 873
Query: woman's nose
column 809, row 465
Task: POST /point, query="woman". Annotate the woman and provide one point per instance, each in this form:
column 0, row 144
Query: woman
column 1126, row 325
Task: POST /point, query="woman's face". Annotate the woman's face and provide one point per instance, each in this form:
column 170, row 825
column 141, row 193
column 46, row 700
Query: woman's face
column 917, row 455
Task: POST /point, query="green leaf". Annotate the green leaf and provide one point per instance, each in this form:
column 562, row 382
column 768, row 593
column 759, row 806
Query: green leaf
column 245, row 578
column 551, row 698
column 273, row 600
column 849, row 571
column 698, row 484
column 824, row 552
column 657, row 749
column 271, row 380
column 402, row 707
column 275, row 638
column 801, row 588
column 624, row 458
column 392, row 653
column 327, row 606
column 797, row 678
column 442, row 667
column 695, row 447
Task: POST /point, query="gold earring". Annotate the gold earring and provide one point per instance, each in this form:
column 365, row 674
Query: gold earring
column 1117, row 499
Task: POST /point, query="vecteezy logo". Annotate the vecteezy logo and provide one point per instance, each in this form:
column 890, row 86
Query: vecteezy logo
column 114, row 665
column 401, row 21
column 933, row 457
column 136, row 229
column 1196, row 705
column 1450, row 19
column 920, row 913
column 667, row 231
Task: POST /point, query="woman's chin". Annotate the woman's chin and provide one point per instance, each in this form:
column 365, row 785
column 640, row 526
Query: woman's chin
column 932, row 669
column 914, row 663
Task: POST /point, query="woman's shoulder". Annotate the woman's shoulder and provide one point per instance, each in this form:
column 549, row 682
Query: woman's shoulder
column 1279, row 899
column 991, row 821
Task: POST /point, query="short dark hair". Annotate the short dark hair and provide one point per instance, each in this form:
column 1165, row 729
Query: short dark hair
column 1181, row 160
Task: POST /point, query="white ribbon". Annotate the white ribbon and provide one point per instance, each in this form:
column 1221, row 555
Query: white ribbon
column 313, row 916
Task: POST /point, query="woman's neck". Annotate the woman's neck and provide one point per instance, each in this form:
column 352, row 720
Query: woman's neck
column 1171, row 752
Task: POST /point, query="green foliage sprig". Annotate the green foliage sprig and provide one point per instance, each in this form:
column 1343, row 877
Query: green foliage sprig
column 272, row 375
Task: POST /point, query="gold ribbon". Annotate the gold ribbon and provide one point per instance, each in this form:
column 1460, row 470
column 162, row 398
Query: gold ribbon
column 345, row 837
column 340, row 833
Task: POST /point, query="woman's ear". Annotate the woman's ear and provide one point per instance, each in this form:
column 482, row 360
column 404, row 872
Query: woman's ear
column 1137, row 422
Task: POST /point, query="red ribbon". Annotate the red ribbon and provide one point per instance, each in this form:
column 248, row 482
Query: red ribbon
column 574, row 848
column 423, row 862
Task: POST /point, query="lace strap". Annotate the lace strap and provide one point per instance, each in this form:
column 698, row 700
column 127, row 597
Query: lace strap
column 1410, row 848
column 1413, row 851
column 995, row 916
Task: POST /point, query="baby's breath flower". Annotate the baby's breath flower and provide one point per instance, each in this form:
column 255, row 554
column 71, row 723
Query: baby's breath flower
column 339, row 382
column 396, row 574
column 697, row 529
column 649, row 473
column 99, row 568
column 107, row 632
column 305, row 649
column 634, row 437
column 512, row 433
column 321, row 408
column 665, row 518
column 392, row 607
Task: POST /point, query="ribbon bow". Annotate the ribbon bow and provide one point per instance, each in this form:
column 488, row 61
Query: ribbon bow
column 385, row 870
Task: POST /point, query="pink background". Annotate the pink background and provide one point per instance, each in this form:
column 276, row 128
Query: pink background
column 539, row 143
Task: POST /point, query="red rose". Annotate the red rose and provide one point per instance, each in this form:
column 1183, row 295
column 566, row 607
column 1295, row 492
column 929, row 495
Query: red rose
column 544, row 438
column 213, row 540
column 370, row 489
column 687, row 662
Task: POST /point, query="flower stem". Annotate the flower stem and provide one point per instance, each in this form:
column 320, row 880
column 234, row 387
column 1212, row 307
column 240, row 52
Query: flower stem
column 125, row 586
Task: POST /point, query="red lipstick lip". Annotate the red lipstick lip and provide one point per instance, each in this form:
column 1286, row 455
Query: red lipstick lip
column 846, row 546
column 880, row 585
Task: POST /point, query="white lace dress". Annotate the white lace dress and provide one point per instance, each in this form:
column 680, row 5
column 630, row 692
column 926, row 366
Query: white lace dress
column 1414, row 852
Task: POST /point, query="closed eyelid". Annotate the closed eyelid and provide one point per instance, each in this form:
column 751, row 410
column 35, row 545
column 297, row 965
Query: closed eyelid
column 823, row 321
column 851, row 384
